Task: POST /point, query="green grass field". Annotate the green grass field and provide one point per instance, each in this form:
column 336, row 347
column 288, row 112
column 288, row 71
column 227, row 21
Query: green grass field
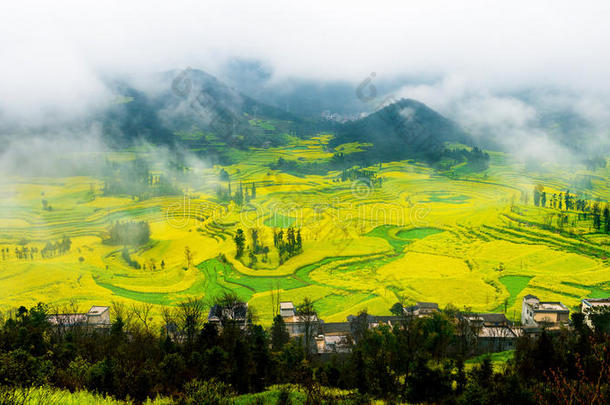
column 463, row 239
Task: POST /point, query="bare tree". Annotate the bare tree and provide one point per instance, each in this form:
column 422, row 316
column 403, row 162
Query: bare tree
column 275, row 299
column 170, row 322
column 143, row 312
column 190, row 316
column 121, row 312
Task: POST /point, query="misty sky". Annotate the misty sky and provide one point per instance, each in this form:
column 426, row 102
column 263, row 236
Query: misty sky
column 53, row 54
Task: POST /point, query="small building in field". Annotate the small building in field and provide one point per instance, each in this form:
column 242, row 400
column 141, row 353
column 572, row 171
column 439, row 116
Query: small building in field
column 543, row 314
column 97, row 317
column 590, row 306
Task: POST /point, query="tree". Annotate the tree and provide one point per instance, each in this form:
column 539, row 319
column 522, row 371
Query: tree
column 188, row 257
column 190, row 318
column 308, row 320
column 359, row 325
column 279, row 333
column 143, row 313
column 397, row 309
column 253, row 259
column 240, row 241
column 254, row 236
column 299, row 241
column 543, row 199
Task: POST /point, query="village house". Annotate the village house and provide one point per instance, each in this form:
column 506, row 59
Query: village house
column 592, row 305
column 490, row 332
column 334, row 337
column 374, row 321
column 96, row 317
column 236, row 312
column 536, row 314
column 421, row 309
column 295, row 323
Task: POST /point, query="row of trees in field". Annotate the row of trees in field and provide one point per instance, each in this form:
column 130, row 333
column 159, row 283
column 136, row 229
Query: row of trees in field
column 50, row 249
column 189, row 360
column 477, row 158
column 287, row 247
column 136, row 179
column 355, row 173
column 596, row 211
column 243, row 194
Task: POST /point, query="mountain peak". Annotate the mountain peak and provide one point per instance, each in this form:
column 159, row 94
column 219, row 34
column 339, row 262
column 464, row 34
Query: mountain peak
column 404, row 129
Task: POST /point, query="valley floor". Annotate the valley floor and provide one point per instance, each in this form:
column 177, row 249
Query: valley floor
column 456, row 238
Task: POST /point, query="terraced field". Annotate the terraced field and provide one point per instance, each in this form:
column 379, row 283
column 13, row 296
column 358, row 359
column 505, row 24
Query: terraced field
column 462, row 239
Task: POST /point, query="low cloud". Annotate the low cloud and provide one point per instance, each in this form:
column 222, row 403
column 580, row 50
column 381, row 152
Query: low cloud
column 525, row 121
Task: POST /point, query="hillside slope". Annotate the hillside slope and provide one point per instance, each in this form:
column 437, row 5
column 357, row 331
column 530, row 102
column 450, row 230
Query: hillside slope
column 405, row 129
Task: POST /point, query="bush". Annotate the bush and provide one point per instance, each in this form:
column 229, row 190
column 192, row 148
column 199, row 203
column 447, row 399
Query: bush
column 211, row 392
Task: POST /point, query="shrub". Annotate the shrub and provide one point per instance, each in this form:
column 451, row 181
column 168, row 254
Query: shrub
column 211, row 392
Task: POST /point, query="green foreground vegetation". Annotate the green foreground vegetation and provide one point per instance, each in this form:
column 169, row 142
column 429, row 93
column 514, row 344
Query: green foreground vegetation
column 192, row 362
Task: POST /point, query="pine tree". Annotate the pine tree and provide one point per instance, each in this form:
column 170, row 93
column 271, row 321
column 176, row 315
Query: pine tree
column 299, row 241
column 279, row 334
column 240, row 240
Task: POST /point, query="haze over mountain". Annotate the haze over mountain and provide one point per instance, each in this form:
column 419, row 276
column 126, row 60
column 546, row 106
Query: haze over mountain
column 513, row 89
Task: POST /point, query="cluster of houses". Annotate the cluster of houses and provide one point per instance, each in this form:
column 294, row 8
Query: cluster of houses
column 487, row 332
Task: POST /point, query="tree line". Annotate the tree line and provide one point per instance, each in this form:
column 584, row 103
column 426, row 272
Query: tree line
column 416, row 360
column 50, row 249
column 354, row 173
column 135, row 178
column 287, row 247
column 243, row 194
column 596, row 211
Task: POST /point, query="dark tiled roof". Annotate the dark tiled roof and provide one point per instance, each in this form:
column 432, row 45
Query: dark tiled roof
column 389, row 318
column 427, row 305
column 377, row 318
column 493, row 317
column 240, row 311
column 336, row 327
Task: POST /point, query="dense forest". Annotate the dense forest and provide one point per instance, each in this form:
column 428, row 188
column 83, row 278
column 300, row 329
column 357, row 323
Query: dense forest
column 417, row 360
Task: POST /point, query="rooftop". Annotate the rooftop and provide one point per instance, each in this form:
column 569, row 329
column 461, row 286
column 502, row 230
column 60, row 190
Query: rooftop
column 238, row 311
column 427, row 305
column 286, row 305
column 551, row 306
column 335, row 327
column 597, row 302
column 67, row 319
column 497, row 332
column 98, row 310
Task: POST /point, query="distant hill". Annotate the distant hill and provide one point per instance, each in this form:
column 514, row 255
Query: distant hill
column 405, row 129
column 193, row 101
